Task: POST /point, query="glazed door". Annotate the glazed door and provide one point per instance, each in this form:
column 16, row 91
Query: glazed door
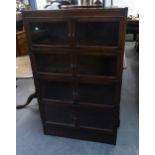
column 54, row 33
column 97, row 31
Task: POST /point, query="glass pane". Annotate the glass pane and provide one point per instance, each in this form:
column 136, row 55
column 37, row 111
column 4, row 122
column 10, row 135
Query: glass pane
column 55, row 63
column 56, row 90
column 96, row 118
column 97, row 33
column 96, row 93
column 97, row 65
column 59, row 114
column 49, row 33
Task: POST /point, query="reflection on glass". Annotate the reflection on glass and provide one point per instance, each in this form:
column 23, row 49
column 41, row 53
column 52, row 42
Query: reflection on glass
column 49, row 33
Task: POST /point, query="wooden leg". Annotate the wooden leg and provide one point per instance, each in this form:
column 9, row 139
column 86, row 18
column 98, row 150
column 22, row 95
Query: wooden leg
column 32, row 96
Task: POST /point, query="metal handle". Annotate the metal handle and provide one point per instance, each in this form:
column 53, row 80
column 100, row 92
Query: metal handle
column 73, row 34
column 69, row 34
column 75, row 94
column 73, row 65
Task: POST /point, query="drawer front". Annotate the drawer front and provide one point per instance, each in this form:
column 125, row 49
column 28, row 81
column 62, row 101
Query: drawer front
column 86, row 134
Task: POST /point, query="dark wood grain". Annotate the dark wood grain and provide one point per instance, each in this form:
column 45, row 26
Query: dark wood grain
column 77, row 62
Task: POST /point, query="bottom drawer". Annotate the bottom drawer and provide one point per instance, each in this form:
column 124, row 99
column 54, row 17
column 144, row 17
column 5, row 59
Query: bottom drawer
column 86, row 134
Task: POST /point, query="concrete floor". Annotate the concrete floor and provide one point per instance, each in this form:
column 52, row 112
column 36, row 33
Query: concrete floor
column 32, row 141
